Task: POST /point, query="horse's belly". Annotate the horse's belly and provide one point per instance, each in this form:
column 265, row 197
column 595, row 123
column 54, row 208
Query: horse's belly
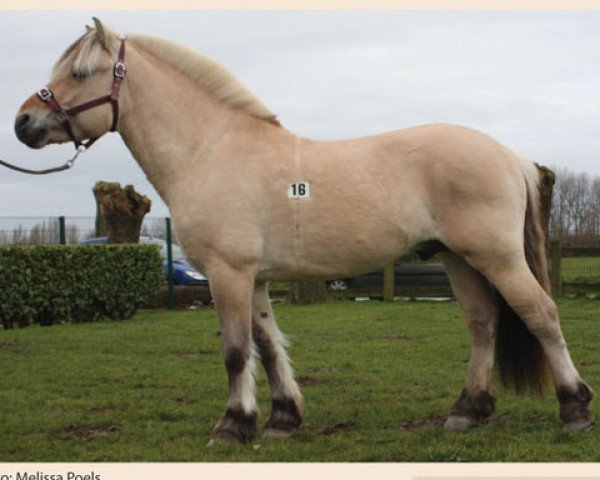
column 340, row 242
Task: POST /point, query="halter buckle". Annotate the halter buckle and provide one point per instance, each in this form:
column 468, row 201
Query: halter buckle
column 44, row 94
column 120, row 69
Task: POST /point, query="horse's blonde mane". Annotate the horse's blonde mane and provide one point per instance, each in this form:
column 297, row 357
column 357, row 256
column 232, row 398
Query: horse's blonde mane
column 87, row 53
column 207, row 73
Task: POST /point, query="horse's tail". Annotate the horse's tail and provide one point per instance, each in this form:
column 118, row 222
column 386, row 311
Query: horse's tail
column 519, row 355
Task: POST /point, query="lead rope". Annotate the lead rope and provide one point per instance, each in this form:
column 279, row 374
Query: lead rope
column 68, row 164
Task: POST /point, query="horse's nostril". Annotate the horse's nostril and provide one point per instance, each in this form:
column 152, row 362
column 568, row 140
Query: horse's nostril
column 22, row 121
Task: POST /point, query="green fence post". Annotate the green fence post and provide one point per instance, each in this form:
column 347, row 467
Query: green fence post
column 171, row 293
column 62, row 231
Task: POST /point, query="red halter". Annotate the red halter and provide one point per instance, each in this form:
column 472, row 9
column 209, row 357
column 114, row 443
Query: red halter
column 119, row 71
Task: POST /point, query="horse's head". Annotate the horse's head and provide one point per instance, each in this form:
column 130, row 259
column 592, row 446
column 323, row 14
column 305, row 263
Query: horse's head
column 63, row 110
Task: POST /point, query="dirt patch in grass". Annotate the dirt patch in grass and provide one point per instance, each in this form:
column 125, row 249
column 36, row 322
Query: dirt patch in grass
column 11, row 345
column 82, row 432
column 416, row 423
column 183, row 401
column 196, row 354
column 438, row 422
column 541, row 418
column 307, row 381
column 332, row 428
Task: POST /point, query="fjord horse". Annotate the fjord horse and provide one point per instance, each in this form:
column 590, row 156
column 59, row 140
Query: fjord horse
column 253, row 202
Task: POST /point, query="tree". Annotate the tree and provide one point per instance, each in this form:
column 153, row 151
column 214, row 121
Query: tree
column 119, row 212
column 575, row 210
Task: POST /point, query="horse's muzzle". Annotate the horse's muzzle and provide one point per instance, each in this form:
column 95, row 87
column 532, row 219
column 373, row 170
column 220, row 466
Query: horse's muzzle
column 28, row 132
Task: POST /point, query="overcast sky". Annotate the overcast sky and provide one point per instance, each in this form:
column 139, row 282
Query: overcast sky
column 530, row 79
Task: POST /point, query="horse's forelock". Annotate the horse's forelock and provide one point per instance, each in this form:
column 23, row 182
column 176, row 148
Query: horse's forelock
column 82, row 56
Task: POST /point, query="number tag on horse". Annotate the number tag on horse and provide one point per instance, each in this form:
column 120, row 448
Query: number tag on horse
column 299, row 190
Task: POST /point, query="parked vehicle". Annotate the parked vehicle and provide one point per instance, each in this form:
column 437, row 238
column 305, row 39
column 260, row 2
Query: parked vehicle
column 183, row 272
column 422, row 274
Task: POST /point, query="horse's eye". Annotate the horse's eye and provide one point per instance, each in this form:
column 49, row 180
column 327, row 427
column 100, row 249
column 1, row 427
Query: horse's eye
column 79, row 76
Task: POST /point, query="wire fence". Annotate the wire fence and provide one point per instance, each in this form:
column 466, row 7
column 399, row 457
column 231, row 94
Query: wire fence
column 65, row 230
column 579, row 237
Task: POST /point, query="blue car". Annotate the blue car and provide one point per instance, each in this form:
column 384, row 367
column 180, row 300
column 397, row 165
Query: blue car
column 183, row 272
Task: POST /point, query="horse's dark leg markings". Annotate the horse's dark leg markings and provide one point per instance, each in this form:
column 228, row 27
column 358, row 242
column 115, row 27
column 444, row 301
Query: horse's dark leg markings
column 287, row 402
column 232, row 291
column 236, row 424
column 478, row 408
column 285, row 416
column 476, row 402
column 574, row 411
column 539, row 313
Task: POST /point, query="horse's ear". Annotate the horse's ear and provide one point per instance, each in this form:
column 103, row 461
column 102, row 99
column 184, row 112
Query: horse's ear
column 100, row 34
column 88, row 28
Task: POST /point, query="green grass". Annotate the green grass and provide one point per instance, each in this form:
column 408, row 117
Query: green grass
column 377, row 378
column 580, row 270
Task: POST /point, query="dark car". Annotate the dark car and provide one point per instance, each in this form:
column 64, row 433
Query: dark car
column 407, row 274
column 183, row 272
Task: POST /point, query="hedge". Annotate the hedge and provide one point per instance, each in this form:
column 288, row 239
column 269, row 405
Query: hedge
column 50, row 284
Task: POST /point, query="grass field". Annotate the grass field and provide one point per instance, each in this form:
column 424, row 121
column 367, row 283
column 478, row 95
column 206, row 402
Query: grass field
column 378, row 380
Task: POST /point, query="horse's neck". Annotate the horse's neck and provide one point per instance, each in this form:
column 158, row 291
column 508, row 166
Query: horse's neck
column 172, row 127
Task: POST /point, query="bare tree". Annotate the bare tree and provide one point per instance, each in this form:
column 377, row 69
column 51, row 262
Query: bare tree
column 575, row 209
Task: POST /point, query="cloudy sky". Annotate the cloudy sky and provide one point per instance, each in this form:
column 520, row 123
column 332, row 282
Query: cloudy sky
column 530, row 79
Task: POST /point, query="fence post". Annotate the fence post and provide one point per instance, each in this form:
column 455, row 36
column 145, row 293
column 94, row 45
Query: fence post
column 62, row 231
column 555, row 259
column 171, row 292
column 389, row 282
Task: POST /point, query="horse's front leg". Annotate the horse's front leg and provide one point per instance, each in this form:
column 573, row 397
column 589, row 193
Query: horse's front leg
column 287, row 402
column 232, row 291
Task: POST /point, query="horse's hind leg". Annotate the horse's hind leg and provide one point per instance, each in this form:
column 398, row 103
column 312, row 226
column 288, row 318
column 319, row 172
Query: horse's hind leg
column 232, row 291
column 521, row 290
column 287, row 401
column 473, row 292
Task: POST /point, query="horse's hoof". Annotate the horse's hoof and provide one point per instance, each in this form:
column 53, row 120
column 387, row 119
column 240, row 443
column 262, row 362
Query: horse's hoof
column 459, row 423
column 236, row 426
column 581, row 425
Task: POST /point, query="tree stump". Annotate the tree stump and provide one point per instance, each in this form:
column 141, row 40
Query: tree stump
column 119, row 212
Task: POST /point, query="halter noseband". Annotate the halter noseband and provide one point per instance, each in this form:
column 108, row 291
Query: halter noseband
column 119, row 71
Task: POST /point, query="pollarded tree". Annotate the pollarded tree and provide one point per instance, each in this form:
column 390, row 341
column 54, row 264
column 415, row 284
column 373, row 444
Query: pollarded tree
column 119, row 212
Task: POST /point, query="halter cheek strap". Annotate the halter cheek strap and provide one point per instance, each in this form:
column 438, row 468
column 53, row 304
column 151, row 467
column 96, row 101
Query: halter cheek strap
column 119, row 71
